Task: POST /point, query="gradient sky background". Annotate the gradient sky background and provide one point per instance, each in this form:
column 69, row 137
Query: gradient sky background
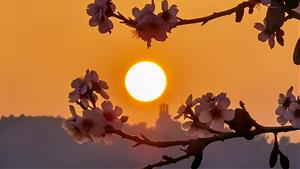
column 46, row 44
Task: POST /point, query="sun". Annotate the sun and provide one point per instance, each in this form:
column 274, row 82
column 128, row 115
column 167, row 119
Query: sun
column 145, row 81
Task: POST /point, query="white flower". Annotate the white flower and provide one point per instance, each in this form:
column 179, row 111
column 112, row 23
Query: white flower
column 148, row 25
column 94, row 123
column 193, row 130
column 84, row 89
column 100, row 11
column 187, row 108
column 215, row 112
column 293, row 114
column 169, row 15
column 74, row 127
column 112, row 114
column 284, row 102
column 265, row 34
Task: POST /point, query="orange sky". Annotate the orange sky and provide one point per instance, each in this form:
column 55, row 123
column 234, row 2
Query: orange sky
column 45, row 44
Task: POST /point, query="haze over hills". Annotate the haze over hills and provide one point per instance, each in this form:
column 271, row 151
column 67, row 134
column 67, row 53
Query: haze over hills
column 40, row 142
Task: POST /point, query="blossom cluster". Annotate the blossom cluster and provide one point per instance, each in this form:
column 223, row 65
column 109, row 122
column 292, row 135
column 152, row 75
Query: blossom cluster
column 209, row 110
column 147, row 24
column 274, row 20
column 155, row 26
column 288, row 109
column 91, row 125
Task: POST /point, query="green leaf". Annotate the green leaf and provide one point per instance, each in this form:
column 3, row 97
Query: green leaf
column 274, row 157
column 284, row 161
column 239, row 15
column 197, row 161
column 297, row 53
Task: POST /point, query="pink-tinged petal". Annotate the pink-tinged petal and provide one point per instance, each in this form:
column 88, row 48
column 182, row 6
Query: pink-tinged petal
column 84, row 89
column 259, row 26
column 88, row 114
column 228, row 114
column 178, row 116
column 93, row 21
column 164, row 5
column 113, row 7
column 221, row 96
column 271, row 41
column 118, row 124
column 294, row 106
column 189, row 100
column 296, row 123
column 84, row 102
column 118, row 111
column 107, row 106
column 281, row 99
column 136, row 12
column 173, row 10
column 280, row 110
column 289, row 115
column 97, row 131
column 181, row 109
column 76, row 84
column 224, row 103
column 74, row 96
column 104, row 94
column 105, row 26
column 205, row 117
column 97, row 140
column 290, row 94
column 217, row 124
column 109, row 139
column 94, row 97
column 72, row 110
column 89, row 84
column 262, row 36
column 186, row 125
column 281, row 120
column 204, row 133
column 94, row 76
column 103, row 84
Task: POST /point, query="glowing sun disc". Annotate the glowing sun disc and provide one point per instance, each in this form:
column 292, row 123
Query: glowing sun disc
column 145, row 81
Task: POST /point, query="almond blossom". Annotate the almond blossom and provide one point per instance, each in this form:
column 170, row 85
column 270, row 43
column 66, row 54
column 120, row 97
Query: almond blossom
column 74, row 127
column 194, row 130
column 293, row 114
column 148, row 25
column 284, row 102
column 187, row 108
column 214, row 111
column 265, row 34
column 100, row 11
column 84, row 89
column 169, row 16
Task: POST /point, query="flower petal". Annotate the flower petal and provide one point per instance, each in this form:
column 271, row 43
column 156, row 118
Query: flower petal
column 260, row 26
column 217, row 124
column 107, row 106
column 228, row 114
column 186, row 125
column 205, row 117
column 262, row 36
column 118, row 111
column 189, row 100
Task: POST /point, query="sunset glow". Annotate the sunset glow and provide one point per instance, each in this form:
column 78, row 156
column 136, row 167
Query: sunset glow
column 145, row 81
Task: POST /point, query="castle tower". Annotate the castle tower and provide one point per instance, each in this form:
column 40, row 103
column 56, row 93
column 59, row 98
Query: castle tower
column 164, row 108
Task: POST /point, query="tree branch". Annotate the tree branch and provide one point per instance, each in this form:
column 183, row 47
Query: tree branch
column 167, row 161
column 215, row 15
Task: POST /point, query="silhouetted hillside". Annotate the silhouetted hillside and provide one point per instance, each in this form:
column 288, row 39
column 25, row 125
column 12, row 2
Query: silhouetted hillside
column 40, row 142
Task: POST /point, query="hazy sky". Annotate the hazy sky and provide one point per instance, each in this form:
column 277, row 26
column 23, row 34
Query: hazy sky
column 45, row 44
